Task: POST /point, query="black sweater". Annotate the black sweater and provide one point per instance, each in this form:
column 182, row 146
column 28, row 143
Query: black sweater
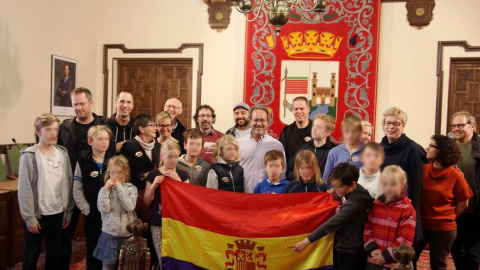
column 139, row 162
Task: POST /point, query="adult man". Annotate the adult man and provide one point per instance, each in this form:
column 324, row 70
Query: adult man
column 205, row 118
column 121, row 122
column 174, row 107
column 254, row 146
column 466, row 248
column 242, row 123
column 65, row 88
column 298, row 133
column 73, row 136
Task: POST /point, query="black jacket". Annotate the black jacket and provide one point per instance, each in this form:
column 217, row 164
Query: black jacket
column 476, row 177
column 65, row 85
column 177, row 133
column 67, row 137
column 292, row 139
column 120, row 133
column 225, row 172
column 139, row 162
column 348, row 223
column 320, row 152
column 300, row 187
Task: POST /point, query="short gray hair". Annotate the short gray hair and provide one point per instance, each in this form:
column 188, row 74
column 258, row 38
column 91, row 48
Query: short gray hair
column 394, row 111
column 470, row 118
column 262, row 108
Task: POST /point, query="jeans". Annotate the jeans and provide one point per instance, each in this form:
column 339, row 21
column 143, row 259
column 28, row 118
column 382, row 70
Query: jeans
column 440, row 244
column 93, row 229
column 350, row 261
column 67, row 237
column 466, row 248
column 52, row 232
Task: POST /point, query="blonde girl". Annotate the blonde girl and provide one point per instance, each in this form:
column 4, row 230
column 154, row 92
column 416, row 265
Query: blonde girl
column 308, row 177
column 116, row 203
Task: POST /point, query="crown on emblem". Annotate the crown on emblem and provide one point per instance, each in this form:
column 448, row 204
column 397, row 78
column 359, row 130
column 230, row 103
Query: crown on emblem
column 245, row 244
column 311, row 44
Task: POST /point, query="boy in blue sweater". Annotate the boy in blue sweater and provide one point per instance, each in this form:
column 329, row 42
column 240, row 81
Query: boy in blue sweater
column 274, row 162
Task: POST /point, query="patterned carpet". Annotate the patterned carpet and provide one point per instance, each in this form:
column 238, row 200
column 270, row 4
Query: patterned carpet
column 78, row 259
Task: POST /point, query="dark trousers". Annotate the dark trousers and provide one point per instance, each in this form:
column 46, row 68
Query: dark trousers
column 371, row 266
column 440, row 244
column 466, row 248
column 52, row 232
column 67, row 237
column 93, row 229
column 349, row 261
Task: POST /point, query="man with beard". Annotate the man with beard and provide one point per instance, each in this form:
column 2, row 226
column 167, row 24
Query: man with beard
column 205, row 118
column 174, row 107
column 254, row 146
column 121, row 122
column 73, row 136
column 65, row 87
column 242, row 124
column 298, row 133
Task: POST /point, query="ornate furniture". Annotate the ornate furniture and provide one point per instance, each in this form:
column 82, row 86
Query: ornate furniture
column 135, row 254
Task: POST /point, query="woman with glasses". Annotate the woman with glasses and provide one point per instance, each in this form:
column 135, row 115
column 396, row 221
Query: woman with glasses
column 444, row 197
column 164, row 126
column 404, row 152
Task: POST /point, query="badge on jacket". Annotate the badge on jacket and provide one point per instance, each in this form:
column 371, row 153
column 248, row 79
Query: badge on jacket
column 225, row 179
column 139, row 154
column 94, row 174
column 308, row 138
column 198, row 168
column 355, row 159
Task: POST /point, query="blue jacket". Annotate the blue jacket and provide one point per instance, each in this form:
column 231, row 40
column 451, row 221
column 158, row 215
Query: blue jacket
column 267, row 187
column 338, row 155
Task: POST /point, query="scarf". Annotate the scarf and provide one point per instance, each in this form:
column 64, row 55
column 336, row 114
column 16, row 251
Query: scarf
column 148, row 147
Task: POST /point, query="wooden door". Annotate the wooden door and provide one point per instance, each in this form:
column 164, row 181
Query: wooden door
column 153, row 81
column 464, row 88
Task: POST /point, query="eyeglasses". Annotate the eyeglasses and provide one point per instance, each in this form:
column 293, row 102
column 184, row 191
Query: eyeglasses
column 459, row 126
column 259, row 120
column 172, row 107
column 205, row 116
column 395, row 124
column 432, row 146
column 164, row 126
column 151, row 125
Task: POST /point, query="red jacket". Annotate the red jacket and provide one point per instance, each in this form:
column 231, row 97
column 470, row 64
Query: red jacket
column 389, row 225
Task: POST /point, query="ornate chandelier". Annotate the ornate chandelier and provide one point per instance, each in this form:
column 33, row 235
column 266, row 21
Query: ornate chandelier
column 279, row 10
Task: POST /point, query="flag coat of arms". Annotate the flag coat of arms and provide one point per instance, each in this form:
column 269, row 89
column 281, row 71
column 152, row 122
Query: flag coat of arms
column 210, row 229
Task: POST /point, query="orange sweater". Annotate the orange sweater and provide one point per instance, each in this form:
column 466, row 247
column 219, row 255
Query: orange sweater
column 442, row 189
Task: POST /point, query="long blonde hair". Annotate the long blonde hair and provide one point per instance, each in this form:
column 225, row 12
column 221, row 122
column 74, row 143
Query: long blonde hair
column 225, row 140
column 307, row 157
column 121, row 162
column 168, row 145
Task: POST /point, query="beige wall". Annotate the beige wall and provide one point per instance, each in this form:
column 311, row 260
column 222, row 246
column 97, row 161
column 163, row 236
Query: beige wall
column 30, row 31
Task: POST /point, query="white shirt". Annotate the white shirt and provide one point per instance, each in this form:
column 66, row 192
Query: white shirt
column 50, row 186
column 252, row 155
column 241, row 133
column 370, row 183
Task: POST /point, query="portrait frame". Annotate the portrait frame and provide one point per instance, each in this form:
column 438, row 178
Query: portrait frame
column 63, row 82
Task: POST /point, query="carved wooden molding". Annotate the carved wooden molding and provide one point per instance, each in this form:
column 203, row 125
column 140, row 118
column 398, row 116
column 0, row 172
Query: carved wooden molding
column 441, row 45
column 125, row 50
column 219, row 14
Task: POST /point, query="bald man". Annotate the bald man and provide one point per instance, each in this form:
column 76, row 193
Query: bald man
column 174, row 107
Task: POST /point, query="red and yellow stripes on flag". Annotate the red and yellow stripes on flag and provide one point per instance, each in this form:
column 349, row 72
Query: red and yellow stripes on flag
column 296, row 85
column 211, row 229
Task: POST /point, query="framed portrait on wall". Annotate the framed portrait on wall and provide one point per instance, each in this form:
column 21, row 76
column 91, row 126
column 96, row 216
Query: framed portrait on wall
column 64, row 80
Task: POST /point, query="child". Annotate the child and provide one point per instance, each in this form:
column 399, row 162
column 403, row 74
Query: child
column 391, row 221
column 226, row 173
column 88, row 180
column 308, row 177
column 347, row 223
column 367, row 131
column 349, row 150
column 320, row 144
column 372, row 157
column 44, row 193
column 116, row 203
column 169, row 155
column 274, row 162
column 191, row 162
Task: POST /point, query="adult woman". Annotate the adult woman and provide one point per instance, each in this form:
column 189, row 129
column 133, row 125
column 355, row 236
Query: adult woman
column 404, row 152
column 165, row 126
column 445, row 195
column 367, row 132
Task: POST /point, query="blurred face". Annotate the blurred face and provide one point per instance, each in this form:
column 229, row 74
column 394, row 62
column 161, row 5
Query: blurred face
column 393, row 127
column 66, row 70
column 461, row 129
column 83, row 107
column 391, row 186
column 306, row 172
column 259, row 123
column 229, row 153
column 193, row 147
column 150, row 130
column 205, row 119
column 367, row 134
column 49, row 134
column 432, row 150
column 240, row 115
column 371, row 159
column 319, row 130
column 174, row 107
column 124, row 104
column 351, row 135
column 300, row 110
column 117, row 173
column 101, row 142
column 170, row 158
column 165, row 128
column 340, row 189
column 274, row 169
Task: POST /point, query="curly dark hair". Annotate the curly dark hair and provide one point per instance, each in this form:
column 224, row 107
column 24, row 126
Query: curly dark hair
column 207, row 107
column 344, row 172
column 448, row 151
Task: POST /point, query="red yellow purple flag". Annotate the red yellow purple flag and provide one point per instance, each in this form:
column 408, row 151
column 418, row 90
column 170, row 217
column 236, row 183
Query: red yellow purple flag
column 210, row 229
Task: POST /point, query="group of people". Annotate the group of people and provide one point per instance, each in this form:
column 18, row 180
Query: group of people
column 111, row 170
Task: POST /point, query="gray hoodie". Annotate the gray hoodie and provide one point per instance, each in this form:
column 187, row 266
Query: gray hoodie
column 198, row 172
column 28, row 176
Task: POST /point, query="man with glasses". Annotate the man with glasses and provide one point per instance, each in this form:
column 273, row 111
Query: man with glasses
column 121, row 122
column 466, row 248
column 254, row 147
column 205, row 118
column 174, row 107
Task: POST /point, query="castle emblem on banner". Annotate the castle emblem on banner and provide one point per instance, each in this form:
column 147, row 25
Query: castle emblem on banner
column 311, row 44
column 245, row 255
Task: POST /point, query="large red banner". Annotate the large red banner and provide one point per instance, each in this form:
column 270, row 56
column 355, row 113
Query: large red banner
column 332, row 62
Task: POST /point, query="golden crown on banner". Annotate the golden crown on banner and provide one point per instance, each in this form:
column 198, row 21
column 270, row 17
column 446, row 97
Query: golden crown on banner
column 309, row 44
column 245, row 244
